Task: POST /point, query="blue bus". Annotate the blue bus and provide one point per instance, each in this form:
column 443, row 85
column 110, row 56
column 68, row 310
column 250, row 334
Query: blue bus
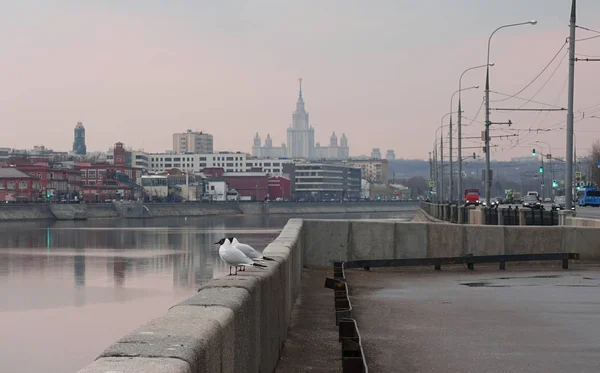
column 588, row 196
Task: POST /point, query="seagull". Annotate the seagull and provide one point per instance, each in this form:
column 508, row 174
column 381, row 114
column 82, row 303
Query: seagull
column 234, row 257
column 248, row 250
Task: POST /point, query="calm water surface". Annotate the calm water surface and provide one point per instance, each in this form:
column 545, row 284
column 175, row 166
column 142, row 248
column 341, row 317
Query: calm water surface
column 70, row 289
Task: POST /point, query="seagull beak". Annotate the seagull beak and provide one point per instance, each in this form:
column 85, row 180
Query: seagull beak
column 217, row 243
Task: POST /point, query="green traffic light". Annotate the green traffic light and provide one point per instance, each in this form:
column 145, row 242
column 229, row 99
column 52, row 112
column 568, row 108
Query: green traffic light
column 541, row 170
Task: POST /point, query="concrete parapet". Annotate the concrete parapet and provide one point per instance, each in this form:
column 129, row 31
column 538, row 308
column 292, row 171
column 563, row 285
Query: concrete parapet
column 233, row 324
column 522, row 217
column 372, row 241
column 476, row 216
column 484, row 240
column 445, row 240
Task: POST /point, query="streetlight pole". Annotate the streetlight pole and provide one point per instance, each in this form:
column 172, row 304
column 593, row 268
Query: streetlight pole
column 450, row 139
column 441, row 189
column 569, row 155
column 488, row 180
column 460, row 160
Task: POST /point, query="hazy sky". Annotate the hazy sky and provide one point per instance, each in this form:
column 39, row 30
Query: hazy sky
column 380, row 71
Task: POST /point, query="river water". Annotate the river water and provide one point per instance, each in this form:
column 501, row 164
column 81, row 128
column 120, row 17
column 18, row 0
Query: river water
column 70, row 289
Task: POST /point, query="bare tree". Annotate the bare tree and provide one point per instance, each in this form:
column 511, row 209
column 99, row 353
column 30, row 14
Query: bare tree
column 594, row 176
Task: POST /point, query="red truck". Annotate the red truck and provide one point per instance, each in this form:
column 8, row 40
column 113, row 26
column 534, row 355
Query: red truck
column 472, row 197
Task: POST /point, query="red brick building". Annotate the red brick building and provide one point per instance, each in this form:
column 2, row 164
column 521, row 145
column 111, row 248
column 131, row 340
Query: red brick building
column 280, row 187
column 250, row 185
column 54, row 180
column 15, row 185
column 103, row 181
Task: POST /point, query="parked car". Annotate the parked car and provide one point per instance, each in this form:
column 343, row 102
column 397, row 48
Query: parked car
column 531, row 201
column 547, row 199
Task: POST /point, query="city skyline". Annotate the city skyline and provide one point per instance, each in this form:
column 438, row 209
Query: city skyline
column 138, row 74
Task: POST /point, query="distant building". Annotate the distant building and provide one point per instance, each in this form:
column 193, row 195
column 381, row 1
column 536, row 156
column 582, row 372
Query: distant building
column 197, row 162
column 133, row 158
column 268, row 151
column 375, row 153
column 216, row 190
column 324, row 182
column 373, row 170
column 333, row 151
column 192, row 142
column 51, row 181
column 390, row 155
column 251, row 186
column 230, row 162
column 79, row 147
column 4, row 154
column 280, row 188
column 16, row 185
column 301, row 140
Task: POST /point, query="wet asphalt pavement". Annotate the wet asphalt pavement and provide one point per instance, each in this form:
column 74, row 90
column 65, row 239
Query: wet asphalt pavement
column 526, row 319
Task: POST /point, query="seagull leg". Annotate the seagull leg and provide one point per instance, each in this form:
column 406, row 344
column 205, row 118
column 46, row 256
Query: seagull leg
column 236, row 270
column 229, row 270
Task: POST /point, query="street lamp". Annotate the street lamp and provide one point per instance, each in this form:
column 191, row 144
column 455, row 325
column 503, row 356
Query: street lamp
column 487, row 109
column 450, row 137
column 460, row 160
column 442, row 153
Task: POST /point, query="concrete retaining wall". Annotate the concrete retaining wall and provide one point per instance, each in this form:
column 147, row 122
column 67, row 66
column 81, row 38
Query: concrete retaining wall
column 132, row 210
column 101, row 211
column 233, row 324
column 333, row 240
column 29, row 212
column 76, row 211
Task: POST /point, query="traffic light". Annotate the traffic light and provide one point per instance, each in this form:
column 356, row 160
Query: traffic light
column 554, row 184
column 474, row 156
column 541, row 170
column 533, row 153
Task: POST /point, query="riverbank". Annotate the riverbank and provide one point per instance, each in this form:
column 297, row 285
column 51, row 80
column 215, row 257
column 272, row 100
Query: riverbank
column 125, row 210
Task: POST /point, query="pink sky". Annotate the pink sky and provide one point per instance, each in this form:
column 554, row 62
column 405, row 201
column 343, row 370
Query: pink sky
column 137, row 74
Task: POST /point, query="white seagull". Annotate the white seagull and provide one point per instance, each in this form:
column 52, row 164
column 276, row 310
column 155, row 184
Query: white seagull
column 248, row 250
column 234, row 257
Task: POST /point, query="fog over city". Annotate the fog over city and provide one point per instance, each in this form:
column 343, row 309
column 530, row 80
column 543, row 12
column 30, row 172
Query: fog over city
column 382, row 73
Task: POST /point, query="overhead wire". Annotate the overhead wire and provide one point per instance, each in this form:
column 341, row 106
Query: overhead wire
column 537, row 76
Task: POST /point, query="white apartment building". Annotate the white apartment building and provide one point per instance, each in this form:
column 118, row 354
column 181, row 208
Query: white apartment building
column 229, row 162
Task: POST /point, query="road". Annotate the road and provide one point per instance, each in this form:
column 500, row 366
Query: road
column 526, row 319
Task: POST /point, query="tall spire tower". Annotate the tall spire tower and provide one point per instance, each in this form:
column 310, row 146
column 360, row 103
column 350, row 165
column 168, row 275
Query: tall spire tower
column 301, row 136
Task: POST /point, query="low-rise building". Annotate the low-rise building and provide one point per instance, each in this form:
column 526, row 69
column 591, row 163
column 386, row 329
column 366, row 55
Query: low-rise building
column 251, row 186
column 15, row 185
column 324, row 182
column 216, row 190
column 373, row 170
column 56, row 181
column 280, row 188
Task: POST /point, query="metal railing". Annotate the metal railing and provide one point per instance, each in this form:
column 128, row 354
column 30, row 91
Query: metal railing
column 494, row 215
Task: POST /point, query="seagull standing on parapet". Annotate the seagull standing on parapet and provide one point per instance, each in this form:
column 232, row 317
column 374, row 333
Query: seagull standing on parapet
column 248, row 250
column 234, row 257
